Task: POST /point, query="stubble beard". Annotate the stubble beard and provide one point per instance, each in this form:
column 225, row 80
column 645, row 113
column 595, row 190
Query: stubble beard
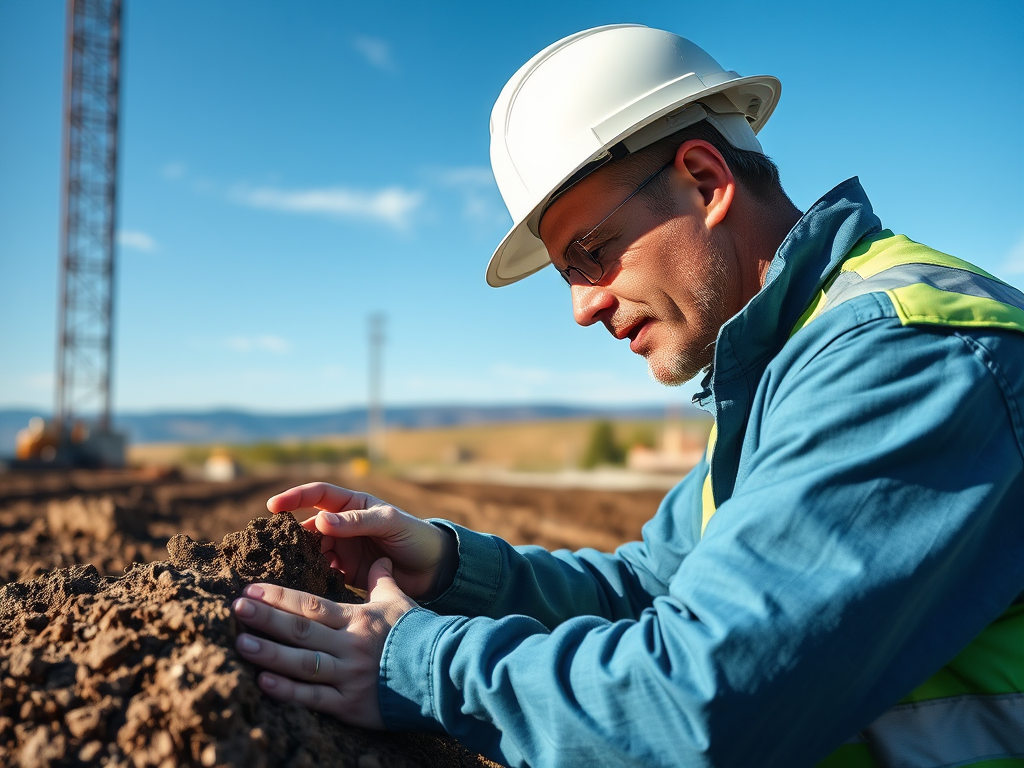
column 683, row 365
column 682, row 359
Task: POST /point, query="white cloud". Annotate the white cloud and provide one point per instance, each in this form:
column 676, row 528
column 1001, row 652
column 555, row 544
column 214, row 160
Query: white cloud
column 467, row 176
column 393, row 205
column 275, row 344
column 480, row 198
column 1015, row 261
column 136, row 240
column 173, row 170
column 376, row 51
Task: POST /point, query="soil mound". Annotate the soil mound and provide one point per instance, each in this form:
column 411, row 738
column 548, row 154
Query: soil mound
column 109, row 531
column 141, row 670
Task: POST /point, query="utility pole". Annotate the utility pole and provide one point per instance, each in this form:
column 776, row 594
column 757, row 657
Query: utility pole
column 88, row 215
column 375, row 412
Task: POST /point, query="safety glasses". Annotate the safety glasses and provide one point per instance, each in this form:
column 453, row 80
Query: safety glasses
column 580, row 258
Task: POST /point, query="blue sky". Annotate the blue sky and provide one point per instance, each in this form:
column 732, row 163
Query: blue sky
column 289, row 168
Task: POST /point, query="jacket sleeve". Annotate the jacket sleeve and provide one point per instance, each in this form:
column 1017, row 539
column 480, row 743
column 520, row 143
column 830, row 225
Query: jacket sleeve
column 877, row 530
column 495, row 579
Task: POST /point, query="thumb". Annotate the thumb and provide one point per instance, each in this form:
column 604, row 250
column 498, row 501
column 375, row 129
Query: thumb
column 373, row 522
column 380, row 582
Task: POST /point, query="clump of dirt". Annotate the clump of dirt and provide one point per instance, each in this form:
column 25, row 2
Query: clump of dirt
column 141, row 670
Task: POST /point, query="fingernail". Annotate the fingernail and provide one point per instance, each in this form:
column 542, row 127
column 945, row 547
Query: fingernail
column 387, row 563
column 332, row 518
column 254, row 590
column 248, row 644
column 244, row 608
column 267, row 681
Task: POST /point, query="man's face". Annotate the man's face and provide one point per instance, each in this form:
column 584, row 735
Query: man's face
column 670, row 282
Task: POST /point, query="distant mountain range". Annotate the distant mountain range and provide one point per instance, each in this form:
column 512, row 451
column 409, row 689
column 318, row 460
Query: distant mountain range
column 232, row 426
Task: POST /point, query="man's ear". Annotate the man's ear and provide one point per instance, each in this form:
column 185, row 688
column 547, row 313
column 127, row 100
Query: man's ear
column 704, row 167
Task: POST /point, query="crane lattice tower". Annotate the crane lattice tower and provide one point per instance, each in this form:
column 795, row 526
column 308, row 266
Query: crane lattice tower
column 88, row 216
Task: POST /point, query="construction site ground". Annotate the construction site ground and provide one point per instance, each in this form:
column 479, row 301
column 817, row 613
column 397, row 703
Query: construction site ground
column 116, row 644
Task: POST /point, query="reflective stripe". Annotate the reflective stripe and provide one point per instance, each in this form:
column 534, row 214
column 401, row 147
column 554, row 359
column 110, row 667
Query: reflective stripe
column 850, row 285
column 948, row 732
column 707, row 493
column 970, row 712
column 920, row 304
column 884, row 251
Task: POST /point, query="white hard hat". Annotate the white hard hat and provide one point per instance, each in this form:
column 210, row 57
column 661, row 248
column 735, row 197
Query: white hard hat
column 599, row 95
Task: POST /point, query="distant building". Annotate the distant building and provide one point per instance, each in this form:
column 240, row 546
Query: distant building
column 221, row 467
column 678, row 454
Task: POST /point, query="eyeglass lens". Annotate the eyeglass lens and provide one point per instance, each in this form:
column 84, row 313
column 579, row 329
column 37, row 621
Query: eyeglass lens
column 580, row 260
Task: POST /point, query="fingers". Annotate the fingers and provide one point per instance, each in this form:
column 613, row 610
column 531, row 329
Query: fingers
column 297, row 629
column 319, row 496
column 322, row 698
column 381, row 583
column 301, row 604
column 378, row 521
column 320, row 654
column 296, row 663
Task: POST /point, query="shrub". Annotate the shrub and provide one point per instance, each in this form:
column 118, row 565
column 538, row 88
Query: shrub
column 602, row 448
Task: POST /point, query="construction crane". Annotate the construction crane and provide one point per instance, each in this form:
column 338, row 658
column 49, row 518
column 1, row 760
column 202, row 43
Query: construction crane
column 80, row 433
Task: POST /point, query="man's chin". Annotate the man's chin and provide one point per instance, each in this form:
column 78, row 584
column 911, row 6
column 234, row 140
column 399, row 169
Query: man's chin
column 677, row 365
column 671, row 375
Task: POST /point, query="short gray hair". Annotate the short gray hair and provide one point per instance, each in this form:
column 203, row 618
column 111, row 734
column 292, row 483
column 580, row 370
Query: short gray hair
column 755, row 171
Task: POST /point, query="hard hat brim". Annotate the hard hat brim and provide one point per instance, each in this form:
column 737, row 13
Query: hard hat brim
column 521, row 253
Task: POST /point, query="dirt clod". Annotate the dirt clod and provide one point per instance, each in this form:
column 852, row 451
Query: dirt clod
column 140, row 669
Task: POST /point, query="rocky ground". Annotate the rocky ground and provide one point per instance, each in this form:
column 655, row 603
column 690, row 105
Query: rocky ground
column 117, row 645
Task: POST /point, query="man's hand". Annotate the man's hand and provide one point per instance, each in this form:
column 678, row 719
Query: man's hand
column 359, row 529
column 329, row 655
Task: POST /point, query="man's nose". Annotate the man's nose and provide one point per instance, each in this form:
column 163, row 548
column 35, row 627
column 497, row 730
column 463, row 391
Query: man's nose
column 589, row 301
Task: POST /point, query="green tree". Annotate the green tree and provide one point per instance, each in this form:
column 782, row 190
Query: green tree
column 643, row 435
column 602, row 448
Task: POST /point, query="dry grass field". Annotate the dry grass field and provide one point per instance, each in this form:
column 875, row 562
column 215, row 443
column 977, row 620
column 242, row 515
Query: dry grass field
column 542, row 446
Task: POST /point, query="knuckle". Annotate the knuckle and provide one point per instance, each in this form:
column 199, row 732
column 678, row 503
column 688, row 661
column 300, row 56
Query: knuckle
column 272, row 593
column 316, row 696
column 301, row 627
column 313, row 605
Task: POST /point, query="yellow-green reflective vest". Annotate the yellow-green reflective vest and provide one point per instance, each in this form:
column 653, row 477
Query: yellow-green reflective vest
column 970, row 712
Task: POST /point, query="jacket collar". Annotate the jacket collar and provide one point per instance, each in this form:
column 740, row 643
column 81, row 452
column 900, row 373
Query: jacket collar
column 814, row 247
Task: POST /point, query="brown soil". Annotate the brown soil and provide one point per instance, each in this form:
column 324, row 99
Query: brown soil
column 141, row 670
column 47, row 522
column 117, row 645
column 551, row 518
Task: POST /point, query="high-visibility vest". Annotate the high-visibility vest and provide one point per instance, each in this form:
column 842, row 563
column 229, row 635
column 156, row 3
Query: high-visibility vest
column 970, row 712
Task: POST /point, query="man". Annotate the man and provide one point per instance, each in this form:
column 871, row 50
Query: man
column 839, row 580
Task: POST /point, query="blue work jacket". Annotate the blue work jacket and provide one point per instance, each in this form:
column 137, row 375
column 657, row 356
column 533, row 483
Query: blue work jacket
column 869, row 485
